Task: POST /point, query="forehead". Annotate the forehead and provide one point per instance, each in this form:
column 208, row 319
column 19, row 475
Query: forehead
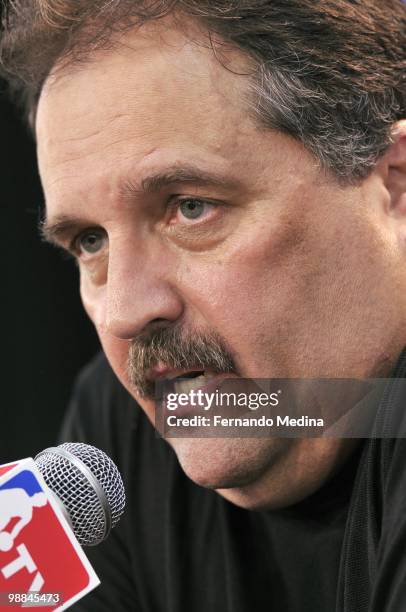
column 159, row 99
column 157, row 89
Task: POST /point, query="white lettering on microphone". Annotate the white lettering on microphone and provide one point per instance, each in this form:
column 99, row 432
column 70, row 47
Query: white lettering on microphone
column 24, row 561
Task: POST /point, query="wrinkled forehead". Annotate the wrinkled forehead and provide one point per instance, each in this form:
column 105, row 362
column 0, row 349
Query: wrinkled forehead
column 157, row 59
column 156, row 89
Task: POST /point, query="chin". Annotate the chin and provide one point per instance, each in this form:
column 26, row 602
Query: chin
column 225, row 463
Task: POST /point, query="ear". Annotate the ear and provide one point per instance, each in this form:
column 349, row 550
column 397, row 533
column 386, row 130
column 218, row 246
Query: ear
column 394, row 170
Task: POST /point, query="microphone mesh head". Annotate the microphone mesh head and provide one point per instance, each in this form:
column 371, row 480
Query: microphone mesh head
column 86, row 505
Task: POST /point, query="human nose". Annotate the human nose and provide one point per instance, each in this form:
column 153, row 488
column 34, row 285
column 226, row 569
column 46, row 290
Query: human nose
column 138, row 292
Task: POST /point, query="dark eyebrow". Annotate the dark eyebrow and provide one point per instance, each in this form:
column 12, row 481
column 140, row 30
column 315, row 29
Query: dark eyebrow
column 54, row 230
column 176, row 174
column 62, row 226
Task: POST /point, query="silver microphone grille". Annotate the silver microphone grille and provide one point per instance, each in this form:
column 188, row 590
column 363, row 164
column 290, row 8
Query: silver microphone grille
column 88, row 484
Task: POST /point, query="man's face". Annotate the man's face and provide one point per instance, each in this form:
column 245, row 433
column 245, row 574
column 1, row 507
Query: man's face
column 186, row 216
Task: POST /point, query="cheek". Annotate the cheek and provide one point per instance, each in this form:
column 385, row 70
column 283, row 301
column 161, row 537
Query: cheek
column 115, row 349
column 93, row 300
column 244, row 289
column 116, row 352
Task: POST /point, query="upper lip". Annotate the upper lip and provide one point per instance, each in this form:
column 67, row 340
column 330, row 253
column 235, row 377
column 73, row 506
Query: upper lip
column 162, row 371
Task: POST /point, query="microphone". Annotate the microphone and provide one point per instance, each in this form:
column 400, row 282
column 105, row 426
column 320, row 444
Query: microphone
column 89, row 487
column 70, row 495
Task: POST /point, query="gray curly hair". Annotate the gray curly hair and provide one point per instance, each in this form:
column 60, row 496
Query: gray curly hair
column 330, row 73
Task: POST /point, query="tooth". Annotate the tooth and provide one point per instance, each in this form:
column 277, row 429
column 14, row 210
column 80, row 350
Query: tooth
column 184, row 386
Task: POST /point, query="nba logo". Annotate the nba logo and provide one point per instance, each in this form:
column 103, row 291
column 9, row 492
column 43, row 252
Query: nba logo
column 41, row 562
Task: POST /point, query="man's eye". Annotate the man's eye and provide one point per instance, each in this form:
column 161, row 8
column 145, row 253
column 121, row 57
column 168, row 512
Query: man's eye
column 190, row 209
column 90, row 242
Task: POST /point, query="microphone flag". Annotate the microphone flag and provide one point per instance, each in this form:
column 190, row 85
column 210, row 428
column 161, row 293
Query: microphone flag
column 42, row 565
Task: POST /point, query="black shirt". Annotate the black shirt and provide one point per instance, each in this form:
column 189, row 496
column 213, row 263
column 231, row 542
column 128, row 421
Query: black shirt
column 182, row 548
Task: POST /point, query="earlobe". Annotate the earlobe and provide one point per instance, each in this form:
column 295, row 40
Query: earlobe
column 395, row 163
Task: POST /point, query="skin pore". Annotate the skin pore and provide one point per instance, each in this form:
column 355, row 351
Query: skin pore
column 299, row 275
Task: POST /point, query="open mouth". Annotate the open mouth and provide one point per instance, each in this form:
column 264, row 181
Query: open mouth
column 193, row 380
column 184, row 381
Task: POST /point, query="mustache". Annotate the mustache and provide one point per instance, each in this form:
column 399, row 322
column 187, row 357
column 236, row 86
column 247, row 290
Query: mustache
column 177, row 350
